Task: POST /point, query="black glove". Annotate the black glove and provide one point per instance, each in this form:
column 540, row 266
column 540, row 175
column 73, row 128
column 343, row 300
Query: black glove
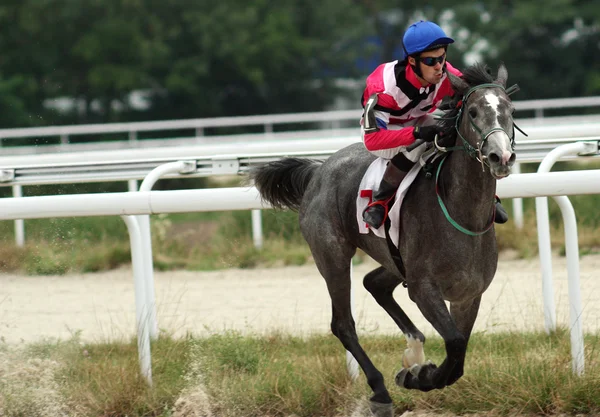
column 426, row 133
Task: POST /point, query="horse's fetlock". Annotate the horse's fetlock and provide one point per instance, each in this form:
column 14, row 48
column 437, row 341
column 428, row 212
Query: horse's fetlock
column 377, row 384
column 381, row 398
column 456, row 346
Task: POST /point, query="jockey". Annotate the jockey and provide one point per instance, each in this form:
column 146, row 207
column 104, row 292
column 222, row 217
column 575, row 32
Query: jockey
column 398, row 103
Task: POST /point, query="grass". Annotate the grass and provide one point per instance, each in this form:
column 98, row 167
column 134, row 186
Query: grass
column 100, row 379
column 210, row 241
column 283, row 375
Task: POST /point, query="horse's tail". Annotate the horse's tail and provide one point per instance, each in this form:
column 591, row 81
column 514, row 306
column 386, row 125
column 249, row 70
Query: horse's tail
column 282, row 183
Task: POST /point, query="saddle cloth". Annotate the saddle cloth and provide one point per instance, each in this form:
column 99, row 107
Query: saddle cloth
column 370, row 183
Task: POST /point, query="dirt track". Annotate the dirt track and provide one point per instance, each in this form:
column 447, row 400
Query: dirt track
column 292, row 299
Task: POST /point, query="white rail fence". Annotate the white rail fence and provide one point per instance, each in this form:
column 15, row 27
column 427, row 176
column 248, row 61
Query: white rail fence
column 228, row 158
column 130, row 205
column 335, row 118
column 28, row 167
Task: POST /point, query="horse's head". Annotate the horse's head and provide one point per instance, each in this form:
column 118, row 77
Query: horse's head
column 484, row 119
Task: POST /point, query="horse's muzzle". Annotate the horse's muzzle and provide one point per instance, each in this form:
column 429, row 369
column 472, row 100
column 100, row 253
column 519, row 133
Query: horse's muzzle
column 501, row 162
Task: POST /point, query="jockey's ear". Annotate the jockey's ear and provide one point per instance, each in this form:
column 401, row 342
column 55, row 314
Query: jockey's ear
column 458, row 84
column 502, row 75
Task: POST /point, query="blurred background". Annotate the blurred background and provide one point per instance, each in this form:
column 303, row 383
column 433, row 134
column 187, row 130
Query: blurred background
column 97, row 61
column 69, row 62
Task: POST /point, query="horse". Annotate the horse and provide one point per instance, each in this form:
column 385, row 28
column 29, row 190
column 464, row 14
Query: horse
column 447, row 245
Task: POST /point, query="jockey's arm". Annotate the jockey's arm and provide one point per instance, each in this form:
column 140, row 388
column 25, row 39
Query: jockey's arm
column 376, row 135
column 383, row 138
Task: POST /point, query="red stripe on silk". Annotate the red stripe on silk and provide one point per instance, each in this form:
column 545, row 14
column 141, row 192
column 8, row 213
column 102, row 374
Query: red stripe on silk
column 388, row 139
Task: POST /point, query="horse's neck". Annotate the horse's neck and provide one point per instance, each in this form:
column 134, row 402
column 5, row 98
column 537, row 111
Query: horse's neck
column 467, row 190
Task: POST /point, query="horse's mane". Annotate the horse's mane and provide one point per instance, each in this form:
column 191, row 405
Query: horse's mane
column 475, row 74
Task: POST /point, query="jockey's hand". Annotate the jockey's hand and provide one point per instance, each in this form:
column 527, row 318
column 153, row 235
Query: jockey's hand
column 426, row 133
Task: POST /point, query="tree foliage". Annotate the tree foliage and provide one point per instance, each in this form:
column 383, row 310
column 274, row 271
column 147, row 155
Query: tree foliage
column 550, row 46
column 233, row 57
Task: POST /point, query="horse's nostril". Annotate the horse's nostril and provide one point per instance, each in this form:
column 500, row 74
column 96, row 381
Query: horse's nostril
column 494, row 158
column 512, row 158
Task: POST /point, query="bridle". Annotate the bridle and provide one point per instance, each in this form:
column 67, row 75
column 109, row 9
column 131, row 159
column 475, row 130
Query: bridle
column 473, row 152
column 476, row 152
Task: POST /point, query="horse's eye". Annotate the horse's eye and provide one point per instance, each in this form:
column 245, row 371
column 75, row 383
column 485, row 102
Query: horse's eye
column 473, row 112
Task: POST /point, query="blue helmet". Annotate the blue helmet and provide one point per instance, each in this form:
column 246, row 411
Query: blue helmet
column 423, row 36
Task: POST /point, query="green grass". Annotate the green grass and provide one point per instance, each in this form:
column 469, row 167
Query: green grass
column 209, row 241
column 283, row 375
column 100, row 379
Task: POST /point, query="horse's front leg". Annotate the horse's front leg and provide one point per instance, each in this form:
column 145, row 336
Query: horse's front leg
column 427, row 377
column 464, row 315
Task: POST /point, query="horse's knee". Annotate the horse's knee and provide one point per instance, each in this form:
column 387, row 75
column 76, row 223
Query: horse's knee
column 369, row 279
column 376, row 382
column 376, row 282
column 344, row 330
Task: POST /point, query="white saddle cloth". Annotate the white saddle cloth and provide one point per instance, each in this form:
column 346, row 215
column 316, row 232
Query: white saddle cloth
column 369, row 185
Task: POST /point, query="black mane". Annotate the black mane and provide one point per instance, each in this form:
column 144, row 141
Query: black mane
column 475, row 74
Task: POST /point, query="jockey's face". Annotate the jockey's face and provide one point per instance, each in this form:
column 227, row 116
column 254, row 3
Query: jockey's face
column 431, row 64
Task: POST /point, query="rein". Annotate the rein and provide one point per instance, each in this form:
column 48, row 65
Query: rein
column 445, row 210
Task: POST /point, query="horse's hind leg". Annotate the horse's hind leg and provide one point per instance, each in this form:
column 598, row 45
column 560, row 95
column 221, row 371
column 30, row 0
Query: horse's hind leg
column 381, row 284
column 334, row 265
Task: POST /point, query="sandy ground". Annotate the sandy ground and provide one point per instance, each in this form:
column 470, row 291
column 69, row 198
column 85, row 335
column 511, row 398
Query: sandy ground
column 101, row 306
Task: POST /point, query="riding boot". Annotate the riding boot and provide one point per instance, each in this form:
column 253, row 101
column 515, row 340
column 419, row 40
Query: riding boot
column 501, row 214
column 376, row 212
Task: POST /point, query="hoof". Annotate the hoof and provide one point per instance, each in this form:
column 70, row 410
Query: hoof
column 401, row 377
column 413, row 371
column 416, row 377
column 381, row 409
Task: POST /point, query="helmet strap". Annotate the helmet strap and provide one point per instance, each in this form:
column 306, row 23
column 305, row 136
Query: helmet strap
column 417, row 66
column 417, row 70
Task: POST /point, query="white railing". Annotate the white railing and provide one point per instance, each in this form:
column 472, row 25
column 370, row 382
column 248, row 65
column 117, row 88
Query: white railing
column 128, row 205
column 126, row 164
column 266, row 121
column 228, row 158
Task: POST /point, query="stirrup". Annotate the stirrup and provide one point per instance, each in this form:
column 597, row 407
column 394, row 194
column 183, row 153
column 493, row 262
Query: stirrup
column 375, row 203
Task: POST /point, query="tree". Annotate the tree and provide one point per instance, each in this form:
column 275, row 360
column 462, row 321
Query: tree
column 390, row 19
column 233, row 57
column 549, row 46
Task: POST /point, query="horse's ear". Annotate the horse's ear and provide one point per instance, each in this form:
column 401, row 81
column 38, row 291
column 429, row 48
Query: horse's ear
column 502, row 75
column 459, row 85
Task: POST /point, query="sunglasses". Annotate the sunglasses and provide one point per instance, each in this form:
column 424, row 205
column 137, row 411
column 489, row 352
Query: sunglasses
column 430, row 61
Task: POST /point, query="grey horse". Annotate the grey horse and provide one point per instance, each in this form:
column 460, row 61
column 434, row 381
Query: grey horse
column 443, row 254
